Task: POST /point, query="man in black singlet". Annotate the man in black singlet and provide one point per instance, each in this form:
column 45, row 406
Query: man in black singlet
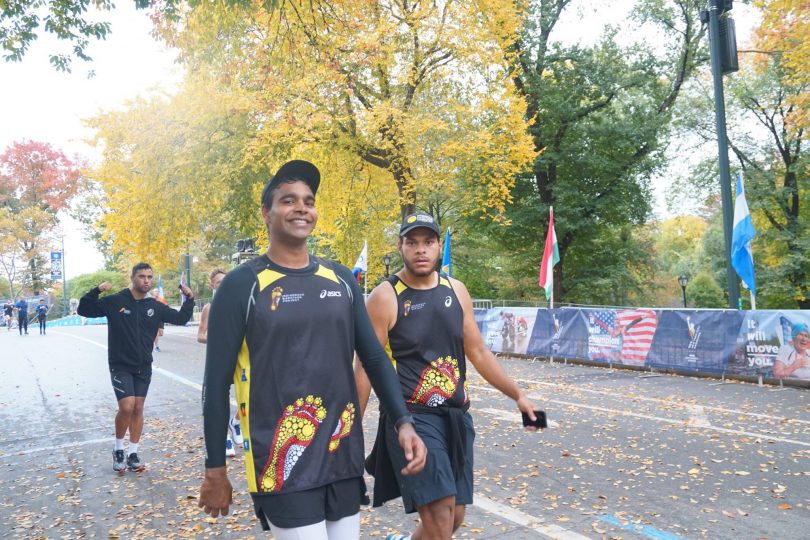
column 427, row 320
column 283, row 328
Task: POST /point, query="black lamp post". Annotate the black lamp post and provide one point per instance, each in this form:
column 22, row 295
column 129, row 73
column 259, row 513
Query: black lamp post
column 387, row 263
column 683, row 280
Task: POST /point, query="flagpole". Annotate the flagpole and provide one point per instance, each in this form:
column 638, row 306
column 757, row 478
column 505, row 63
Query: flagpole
column 753, row 301
column 551, row 299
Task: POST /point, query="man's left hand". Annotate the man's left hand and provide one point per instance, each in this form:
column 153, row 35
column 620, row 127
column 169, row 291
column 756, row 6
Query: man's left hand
column 415, row 450
column 525, row 405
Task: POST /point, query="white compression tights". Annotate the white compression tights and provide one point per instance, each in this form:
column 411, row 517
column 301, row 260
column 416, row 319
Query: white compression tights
column 347, row 528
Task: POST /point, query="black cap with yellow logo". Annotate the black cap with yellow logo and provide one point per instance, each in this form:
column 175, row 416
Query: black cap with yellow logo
column 414, row 221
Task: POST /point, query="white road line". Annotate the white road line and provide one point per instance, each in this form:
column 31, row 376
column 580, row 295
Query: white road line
column 180, row 379
column 525, row 520
column 57, row 447
column 164, row 372
column 506, row 415
column 669, row 402
column 74, row 336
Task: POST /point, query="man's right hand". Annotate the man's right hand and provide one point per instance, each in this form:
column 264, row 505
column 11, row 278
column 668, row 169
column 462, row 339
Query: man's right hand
column 414, row 449
column 216, row 493
column 104, row 286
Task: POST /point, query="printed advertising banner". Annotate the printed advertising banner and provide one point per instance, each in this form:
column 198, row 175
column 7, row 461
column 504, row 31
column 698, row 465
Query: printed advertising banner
column 507, row 330
column 770, row 343
column 773, row 344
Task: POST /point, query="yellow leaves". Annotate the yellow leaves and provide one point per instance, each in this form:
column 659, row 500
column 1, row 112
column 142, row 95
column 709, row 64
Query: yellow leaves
column 414, row 91
column 786, row 28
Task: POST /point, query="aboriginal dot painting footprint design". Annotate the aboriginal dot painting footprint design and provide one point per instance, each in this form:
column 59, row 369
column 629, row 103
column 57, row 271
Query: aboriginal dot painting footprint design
column 344, row 427
column 437, row 383
column 295, row 431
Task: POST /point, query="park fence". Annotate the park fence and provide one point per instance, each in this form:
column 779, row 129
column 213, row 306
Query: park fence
column 710, row 342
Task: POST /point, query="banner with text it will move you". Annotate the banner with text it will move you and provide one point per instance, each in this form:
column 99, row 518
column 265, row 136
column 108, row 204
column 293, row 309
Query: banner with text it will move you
column 771, row 343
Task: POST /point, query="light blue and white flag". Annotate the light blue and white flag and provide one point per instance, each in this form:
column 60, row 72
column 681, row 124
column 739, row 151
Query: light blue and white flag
column 742, row 258
column 361, row 266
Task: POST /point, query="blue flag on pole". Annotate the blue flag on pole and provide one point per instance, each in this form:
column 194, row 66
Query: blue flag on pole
column 447, row 265
column 742, row 259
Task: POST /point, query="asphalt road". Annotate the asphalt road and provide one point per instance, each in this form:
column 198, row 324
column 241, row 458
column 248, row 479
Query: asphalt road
column 629, row 457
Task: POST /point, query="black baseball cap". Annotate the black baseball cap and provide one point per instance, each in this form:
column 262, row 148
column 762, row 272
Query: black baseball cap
column 414, row 221
column 296, row 169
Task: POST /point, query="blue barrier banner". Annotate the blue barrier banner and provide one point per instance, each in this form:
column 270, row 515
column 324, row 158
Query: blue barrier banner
column 75, row 320
column 559, row 332
column 699, row 340
column 770, row 343
column 506, row 330
column 766, row 345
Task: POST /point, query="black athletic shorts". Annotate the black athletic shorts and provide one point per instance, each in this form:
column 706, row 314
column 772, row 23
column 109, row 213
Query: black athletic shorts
column 331, row 502
column 128, row 384
column 436, row 481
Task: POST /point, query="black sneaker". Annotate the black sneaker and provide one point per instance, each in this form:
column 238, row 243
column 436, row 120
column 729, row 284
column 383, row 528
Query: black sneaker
column 118, row 461
column 135, row 464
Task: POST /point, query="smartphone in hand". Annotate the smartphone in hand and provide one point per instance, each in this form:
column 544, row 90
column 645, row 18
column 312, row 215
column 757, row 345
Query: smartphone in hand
column 539, row 423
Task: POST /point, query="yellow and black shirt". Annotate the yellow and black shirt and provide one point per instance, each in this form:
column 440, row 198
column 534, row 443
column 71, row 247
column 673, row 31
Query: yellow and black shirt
column 427, row 345
column 286, row 338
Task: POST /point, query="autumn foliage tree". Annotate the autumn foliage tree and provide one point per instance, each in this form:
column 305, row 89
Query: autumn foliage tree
column 173, row 175
column 418, row 91
column 785, row 33
column 36, row 182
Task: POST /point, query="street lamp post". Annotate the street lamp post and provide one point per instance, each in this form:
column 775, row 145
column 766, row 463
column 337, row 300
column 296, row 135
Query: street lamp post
column 387, row 263
column 683, row 280
column 722, row 64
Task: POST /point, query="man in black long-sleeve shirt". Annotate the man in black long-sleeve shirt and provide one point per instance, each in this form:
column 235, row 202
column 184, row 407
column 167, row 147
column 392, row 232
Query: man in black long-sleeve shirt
column 284, row 327
column 133, row 319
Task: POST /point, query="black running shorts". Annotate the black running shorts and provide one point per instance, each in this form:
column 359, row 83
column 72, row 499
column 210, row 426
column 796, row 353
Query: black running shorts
column 436, row 480
column 331, row 502
column 128, row 384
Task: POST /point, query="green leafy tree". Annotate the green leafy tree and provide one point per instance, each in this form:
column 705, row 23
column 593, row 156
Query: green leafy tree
column 599, row 117
column 702, row 291
column 71, row 21
column 81, row 285
column 769, row 147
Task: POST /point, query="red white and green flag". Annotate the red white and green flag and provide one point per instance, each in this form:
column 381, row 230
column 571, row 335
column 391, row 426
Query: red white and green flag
column 551, row 256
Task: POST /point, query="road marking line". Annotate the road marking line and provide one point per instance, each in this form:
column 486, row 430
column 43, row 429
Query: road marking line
column 164, row 372
column 179, row 378
column 57, row 447
column 525, row 520
column 96, row 343
column 683, row 423
column 669, row 402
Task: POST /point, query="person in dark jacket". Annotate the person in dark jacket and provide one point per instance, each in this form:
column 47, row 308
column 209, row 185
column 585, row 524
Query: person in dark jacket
column 22, row 315
column 133, row 319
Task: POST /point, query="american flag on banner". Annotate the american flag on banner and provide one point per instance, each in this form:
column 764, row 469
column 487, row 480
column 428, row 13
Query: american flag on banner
column 636, row 328
column 602, row 342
